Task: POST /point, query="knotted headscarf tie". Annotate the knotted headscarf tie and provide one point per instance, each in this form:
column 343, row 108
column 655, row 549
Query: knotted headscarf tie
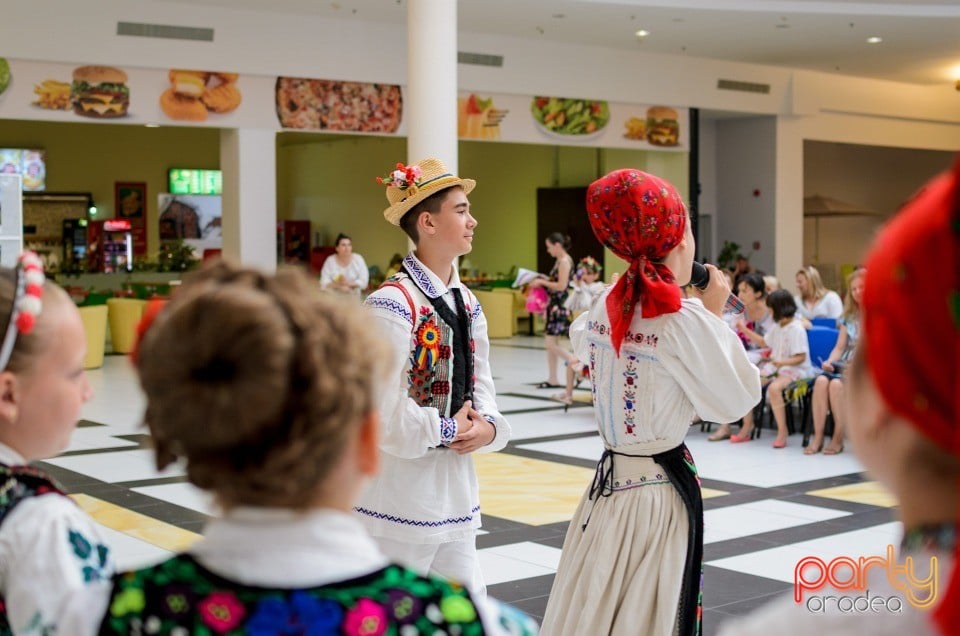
column 641, row 218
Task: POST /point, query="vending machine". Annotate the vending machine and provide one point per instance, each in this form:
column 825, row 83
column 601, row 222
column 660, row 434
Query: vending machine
column 110, row 246
column 74, row 245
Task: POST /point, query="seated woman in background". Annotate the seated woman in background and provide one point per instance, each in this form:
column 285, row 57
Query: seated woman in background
column 828, row 388
column 815, row 300
column 345, row 271
column 752, row 326
column 789, row 361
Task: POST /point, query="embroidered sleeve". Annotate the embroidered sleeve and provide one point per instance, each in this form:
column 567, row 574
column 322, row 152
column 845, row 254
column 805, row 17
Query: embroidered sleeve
column 53, row 553
column 708, row 362
column 390, row 303
column 448, row 430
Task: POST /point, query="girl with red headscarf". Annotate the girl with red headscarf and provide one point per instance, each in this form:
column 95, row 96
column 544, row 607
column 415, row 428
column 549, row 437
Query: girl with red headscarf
column 903, row 419
column 632, row 558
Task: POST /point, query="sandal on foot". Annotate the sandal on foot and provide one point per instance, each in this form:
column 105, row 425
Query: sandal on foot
column 779, row 444
column 739, row 439
column 562, row 397
column 719, row 437
column 813, row 450
column 548, row 385
column 829, row 450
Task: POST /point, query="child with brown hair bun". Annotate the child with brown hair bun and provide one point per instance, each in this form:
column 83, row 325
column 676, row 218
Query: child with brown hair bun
column 266, row 389
column 50, row 551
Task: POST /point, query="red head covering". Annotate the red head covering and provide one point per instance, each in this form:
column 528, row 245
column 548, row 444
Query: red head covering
column 911, row 320
column 641, row 218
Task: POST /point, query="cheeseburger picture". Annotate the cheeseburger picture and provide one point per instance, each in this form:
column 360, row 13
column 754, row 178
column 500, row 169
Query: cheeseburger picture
column 99, row 92
column 663, row 127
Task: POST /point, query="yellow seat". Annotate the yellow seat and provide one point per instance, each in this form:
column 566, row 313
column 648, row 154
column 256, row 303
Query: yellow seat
column 95, row 327
column 124, row 315
column 498, row 308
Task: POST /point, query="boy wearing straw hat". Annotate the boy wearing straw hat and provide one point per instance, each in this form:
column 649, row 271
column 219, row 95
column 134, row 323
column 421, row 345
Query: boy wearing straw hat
column 424, row 507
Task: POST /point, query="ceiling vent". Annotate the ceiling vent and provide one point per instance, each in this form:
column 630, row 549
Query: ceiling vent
column 479, row 59
column 139, row 29
column 743, row 87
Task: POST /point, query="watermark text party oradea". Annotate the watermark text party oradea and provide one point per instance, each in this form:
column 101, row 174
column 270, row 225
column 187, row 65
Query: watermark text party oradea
column 814, row 579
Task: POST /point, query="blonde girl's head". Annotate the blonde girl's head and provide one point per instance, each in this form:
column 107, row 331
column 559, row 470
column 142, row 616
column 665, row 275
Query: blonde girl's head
column 813, row 288
column 259, row 383
column 855, row 286
column 42, row 383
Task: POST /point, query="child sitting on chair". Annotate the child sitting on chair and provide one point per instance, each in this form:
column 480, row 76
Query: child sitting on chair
column 788, row 361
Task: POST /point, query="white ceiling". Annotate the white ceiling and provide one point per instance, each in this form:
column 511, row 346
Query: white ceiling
column 921, row 39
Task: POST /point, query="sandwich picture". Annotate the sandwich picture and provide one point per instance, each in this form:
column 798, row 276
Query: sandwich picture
column 663, row 127
column 100, row 92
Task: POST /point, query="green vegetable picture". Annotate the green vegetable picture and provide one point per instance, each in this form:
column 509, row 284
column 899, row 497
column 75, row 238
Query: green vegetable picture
column 568, row 116
column 4, row 74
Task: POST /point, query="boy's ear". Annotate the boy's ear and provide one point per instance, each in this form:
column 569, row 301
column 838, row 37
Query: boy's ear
column 425, row 224
column 9, row 396
column 368, row 446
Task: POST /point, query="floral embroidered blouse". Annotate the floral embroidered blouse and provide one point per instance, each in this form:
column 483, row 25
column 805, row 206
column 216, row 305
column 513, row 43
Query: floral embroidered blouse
column 670, row 368
column 277, row 571
column 50, row 551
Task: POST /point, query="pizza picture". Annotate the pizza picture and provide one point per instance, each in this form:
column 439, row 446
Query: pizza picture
column 316, row 104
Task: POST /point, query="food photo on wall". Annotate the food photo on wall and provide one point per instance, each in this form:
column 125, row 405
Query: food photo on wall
column 99, row 92
column 192, row 95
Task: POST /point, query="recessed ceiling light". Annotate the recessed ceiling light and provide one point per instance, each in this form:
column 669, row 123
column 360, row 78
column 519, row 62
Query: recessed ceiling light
column 642, row 33
column 152, row 125
column 875, row 39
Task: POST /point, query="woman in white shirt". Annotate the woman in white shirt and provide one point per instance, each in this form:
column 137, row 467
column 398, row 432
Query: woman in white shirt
column 344, row 271
column 815, row 300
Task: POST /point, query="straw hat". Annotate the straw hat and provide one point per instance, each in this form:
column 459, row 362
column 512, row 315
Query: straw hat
column 419, row 182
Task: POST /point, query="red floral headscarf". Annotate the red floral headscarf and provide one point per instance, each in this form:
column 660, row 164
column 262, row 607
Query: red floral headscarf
column 641, row 218
column 911, row 320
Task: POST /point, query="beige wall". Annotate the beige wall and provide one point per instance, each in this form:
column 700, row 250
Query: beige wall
column 92, row 157
column 330, row 181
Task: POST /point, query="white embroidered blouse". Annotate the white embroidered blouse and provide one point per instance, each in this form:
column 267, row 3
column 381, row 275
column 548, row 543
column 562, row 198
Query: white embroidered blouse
column 425, row 494
column 670, row 368
column 50, row 551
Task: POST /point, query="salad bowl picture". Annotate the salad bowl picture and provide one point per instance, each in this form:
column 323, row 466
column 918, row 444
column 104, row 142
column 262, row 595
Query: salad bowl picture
column 570, row 117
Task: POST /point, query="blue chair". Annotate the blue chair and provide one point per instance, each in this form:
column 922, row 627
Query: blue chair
column 823, row 321
column 822, row 340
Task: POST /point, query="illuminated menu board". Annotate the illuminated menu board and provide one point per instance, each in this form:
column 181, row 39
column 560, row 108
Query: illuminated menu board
column 192, row 181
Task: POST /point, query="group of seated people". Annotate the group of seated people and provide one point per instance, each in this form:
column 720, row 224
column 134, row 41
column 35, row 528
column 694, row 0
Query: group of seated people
column 773, row 328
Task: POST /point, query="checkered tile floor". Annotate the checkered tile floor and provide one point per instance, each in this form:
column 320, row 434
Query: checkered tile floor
column 765, row 508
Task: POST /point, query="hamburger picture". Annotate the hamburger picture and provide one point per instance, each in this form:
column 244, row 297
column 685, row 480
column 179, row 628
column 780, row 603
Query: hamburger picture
column 99, row 92
column 663, row 127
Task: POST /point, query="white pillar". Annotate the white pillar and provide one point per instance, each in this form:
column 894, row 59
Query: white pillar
column 248, row 159
column 788, row 232
column 431, row 98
